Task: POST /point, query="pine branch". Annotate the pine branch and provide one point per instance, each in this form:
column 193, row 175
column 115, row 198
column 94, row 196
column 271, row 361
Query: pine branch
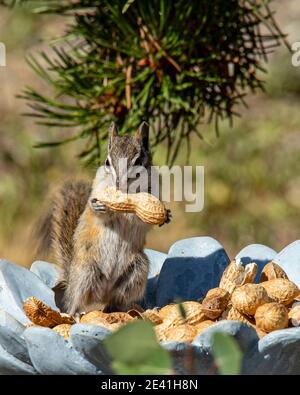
column 128, row 61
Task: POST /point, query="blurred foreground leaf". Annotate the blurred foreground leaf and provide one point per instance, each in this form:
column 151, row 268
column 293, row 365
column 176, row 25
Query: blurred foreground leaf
column 227, row 354
column 135, row 350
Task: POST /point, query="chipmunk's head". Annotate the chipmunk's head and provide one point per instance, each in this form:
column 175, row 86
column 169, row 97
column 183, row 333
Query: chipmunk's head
column 127, row 156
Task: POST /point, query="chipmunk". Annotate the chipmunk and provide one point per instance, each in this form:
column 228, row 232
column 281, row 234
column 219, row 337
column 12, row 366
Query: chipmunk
column 99, row 251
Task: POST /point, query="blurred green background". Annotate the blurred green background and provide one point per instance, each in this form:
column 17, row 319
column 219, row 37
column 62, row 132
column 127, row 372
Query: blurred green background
column 252, row 171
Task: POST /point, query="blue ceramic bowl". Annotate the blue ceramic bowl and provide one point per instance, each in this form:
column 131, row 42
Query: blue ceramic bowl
column 191, row 267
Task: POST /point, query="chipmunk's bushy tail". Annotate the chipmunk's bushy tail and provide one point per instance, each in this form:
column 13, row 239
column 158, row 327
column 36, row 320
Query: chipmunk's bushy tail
column 57, row 226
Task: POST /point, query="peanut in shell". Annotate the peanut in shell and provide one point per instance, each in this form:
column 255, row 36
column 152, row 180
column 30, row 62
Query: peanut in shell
column 193, row 314
column 247, row 298
column 294, row 314
column 234, row 315
column 237, row 274
column 181, row 333
column 146, row 206
column 152, row 316
column 203, row 325
column 92, row 317
column 271, row 316
column 281, row 290
column 215, row 302
column 118, row 317
column 63, row 330
column 271, row 271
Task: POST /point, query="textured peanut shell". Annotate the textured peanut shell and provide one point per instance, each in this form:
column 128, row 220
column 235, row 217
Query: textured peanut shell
column 203, row 325
column 234, row 315
column 146, row 206
column 93, row 316
column 98, row 318
column 41, row 314
column 167, row 309
column 182, row 333
column 294, row 315
column 160, row 331
column 271, row 271
column 118, row 317
column 149, row 315
column 215, row 302
column 271, row 316
column 260, row 333
column 152, row 316
column 236, row 274
column 63, row 330
column 281, row 290
column 247, row 298
column 193, row 312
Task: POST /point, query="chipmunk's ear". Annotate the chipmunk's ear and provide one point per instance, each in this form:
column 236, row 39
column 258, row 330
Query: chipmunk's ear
column 112, row 133
column 143, row 135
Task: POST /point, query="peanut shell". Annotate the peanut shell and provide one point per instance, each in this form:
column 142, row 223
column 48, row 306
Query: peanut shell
column 95, row 316
column 135, row 313
column 63, row 330
column 146, row 206
column 236, row 274
column 193, row 312
column 234, row 315
column 294, row 314
column 270, row 271
column 167, row 309
column 181, row 333
column 203, row 325
column 247, row 298
column 41, row 314
column 152, row 316
column 271, row 316
column 215, row 302
column 281, row 290
column 260, row 333
column 118, row 317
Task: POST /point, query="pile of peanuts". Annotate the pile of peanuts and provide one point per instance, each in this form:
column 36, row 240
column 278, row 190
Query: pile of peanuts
column 268, row 306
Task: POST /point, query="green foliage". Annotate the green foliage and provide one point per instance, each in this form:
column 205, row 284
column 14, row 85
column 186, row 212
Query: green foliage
column 227, row 354
column 134, row 350
column 128, row 61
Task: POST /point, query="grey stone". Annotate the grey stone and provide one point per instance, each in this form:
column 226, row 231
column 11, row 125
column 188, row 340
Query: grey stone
column 11, row 323
column 16, row 285
column 258, row 253
column 278, row 353
column 189, row 359
column 13, row 344
column 87, row 340
column 245, row 336
column 51, row 354
column 289, row 260
column 12, row 365
column 156, row 259
column 47, row 272
column 193, row 267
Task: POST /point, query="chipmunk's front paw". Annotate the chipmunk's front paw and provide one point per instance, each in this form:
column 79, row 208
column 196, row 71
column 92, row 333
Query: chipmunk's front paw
column 97, row 206
column 168, row 217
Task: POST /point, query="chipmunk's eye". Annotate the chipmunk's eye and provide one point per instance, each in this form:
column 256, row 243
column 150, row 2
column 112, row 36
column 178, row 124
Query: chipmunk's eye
column 107, row 165
column 138, row 162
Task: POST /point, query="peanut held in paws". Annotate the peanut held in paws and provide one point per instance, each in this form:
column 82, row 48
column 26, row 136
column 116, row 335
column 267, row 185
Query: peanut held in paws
column 146, row 206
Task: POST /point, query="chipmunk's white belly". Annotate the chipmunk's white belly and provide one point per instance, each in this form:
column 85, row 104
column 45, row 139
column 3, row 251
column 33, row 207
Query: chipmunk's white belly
column 119, row 243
